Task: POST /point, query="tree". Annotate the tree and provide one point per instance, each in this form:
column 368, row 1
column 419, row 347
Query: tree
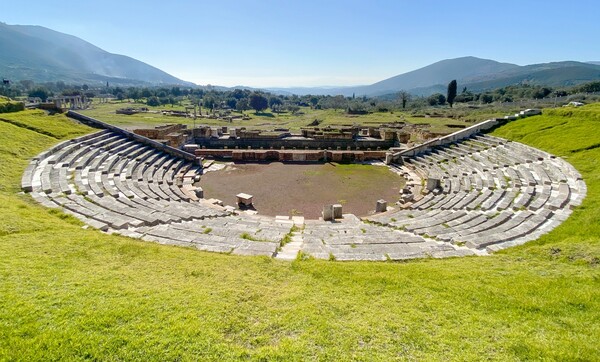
column 404, row 97
column 465, row 96
column 153, row 101
column 258, row 102
column 242, row 105
column 146, row 93
column 39, row 92
column 337, row 102
column 238, row 94
column 451, row 92
column 209, row 102
column 589, row 87
column 293, row 108
column 231, row 102
column 486, row 98
column 275, row 103
column 436, row 99
column 176, row 91
column 133, row 93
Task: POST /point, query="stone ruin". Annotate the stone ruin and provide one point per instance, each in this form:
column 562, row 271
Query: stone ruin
column 67, row 102
column 173, row 135
column 355, row 142
column 472, row 195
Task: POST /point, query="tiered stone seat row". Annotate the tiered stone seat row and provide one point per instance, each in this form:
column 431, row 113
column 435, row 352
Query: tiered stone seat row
column 494, row 194
column 247, row 235
column 352, row 239
column 118, row 185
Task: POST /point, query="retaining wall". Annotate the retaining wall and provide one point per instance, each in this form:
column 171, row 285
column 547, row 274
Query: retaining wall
column 141, row 139
column 291, row 155
column 458, row 135
column 310, row 143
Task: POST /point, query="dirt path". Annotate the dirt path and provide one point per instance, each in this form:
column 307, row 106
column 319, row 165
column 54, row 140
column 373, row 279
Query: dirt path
column 303, row 189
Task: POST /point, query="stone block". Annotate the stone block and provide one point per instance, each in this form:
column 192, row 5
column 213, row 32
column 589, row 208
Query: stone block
column 433, row 183
column 337, row 211
column 244, row 199
column 328, row 213
column 381, row 206
column 389, row 158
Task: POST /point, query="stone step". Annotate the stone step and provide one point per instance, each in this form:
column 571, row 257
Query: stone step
column 290, row 250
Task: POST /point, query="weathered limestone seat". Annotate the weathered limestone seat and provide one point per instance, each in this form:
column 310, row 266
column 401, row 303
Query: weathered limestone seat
column 240, row 235
column 118, row 185
column 492, row 194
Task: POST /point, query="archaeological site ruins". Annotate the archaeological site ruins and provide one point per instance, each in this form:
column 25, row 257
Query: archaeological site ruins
column 467, row 193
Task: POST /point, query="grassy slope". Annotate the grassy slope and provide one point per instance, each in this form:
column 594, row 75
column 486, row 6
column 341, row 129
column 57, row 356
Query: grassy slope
column 71, row 293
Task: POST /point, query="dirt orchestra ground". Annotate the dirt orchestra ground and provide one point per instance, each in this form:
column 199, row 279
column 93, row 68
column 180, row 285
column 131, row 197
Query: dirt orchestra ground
column 303, row 189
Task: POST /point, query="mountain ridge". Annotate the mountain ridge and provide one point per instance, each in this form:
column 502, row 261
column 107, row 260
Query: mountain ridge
column 476, row 74
column 42, row 54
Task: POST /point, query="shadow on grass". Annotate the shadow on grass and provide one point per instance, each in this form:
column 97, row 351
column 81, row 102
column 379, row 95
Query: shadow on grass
column 265, row 114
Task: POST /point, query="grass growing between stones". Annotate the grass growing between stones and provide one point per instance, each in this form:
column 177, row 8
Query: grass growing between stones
column 70, row 293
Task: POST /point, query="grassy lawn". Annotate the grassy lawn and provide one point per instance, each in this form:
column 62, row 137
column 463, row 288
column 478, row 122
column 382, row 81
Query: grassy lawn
column 76, row 294
column 269, row 120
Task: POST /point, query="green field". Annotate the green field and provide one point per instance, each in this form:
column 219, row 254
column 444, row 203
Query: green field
column 268, row 120
column 76, row 294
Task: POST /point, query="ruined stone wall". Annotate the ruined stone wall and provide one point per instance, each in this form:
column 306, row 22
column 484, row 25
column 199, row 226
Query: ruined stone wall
column 161, row 132
column 291, row 155
column 294, row 143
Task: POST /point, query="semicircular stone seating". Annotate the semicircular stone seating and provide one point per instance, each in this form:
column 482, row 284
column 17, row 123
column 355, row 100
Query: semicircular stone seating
column 492, row 194
column 120, row 186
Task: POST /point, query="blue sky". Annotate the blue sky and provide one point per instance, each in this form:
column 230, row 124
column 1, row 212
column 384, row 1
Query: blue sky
column 315, row 43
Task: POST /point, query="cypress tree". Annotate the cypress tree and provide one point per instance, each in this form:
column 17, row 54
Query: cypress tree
column 451, row 92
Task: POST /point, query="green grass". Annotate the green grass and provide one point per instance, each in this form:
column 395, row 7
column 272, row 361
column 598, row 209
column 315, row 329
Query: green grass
column 73, row 294
column 57, row 126
column 269, row 120
column 7, row 105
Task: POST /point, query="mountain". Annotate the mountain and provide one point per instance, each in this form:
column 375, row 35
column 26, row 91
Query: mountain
column 474, row 73
column 41, row 54
column 442, row 72
column 555, row 74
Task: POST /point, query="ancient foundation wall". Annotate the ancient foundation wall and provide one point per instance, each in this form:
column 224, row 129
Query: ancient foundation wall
column 293, row 143
column 291, row 155
column 160, row 132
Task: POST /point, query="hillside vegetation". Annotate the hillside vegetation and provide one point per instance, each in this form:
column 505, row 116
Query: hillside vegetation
column 71, row 293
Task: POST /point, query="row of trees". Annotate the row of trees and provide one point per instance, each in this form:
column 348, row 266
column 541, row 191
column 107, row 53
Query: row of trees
column 244, row 99
column 507, row 94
